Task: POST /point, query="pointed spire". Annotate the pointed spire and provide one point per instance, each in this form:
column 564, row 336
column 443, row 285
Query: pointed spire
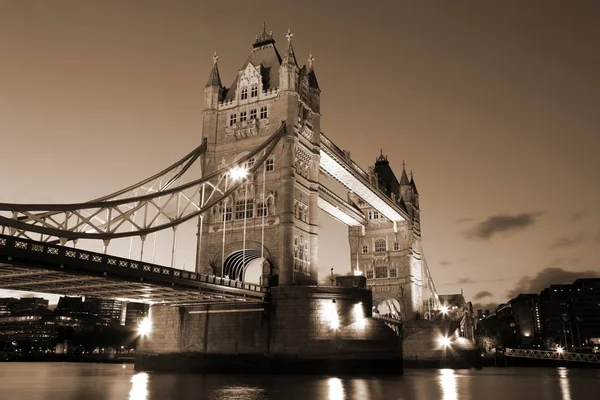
column 214, row 79
column 404, row 177
column 289, row 57
column 264, row 38
column 311, row 60
column 413, row 184
column 402, row 204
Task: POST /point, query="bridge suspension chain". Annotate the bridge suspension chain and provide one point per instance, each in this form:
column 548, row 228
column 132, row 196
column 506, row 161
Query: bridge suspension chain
column 110, row 218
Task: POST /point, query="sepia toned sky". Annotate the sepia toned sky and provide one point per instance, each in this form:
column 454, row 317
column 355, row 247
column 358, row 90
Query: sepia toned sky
column 495, row 107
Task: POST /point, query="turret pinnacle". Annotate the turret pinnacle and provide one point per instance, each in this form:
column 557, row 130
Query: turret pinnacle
column 404, row 177
column 214, row 79
column 289, row 58
column 264, row 38
column 413, row 184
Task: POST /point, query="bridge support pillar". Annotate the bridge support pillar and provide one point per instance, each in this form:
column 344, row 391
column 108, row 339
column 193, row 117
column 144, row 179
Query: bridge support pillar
column 303, row 329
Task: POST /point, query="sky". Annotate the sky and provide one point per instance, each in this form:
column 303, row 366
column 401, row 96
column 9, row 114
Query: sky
column 493, row 106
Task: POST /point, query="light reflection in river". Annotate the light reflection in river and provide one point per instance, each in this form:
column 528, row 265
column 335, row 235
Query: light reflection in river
column 448, row 384
column 139, row 386
column 565, row 390
column 336, row 389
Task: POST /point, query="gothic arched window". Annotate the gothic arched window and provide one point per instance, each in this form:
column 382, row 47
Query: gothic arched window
column 380, row 245
column 254, row 90
column 244, row 93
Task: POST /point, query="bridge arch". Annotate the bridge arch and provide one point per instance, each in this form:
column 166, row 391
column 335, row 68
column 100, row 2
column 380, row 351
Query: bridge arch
column 389, row 303
column 244, row 264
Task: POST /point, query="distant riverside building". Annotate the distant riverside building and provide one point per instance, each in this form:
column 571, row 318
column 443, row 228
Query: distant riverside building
column 110, row 312
column 526, row 313
column 566, row 315
column 29, row 303
column 76, row 307
column 135, row 313
column 7, row 304
column 36, row 328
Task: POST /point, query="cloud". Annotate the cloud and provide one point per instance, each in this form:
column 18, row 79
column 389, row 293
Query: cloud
column 547, row 277
column 577, row 216
column 483, row 294
column 463, row 220
column 568, row 241
column 598, row 237
column 445, row 263
column 502, row 223
column 465, row 281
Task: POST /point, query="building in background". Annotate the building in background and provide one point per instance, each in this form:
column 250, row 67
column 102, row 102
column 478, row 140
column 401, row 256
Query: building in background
column 7, row 305
column 134, row 314
column 526, row 314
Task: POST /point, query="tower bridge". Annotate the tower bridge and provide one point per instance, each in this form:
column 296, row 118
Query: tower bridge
column 256, row 204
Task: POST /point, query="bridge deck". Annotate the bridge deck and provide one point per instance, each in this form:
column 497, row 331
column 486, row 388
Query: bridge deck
column 41, row 267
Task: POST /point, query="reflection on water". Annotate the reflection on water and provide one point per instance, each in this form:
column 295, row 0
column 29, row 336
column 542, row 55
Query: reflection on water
column 65, row 381
column 240, row 393
column 565, row 390
column 139, row 386
column 448, row 384
column 336, row 389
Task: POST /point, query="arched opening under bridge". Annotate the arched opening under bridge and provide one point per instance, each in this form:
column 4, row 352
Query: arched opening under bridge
column 388, row 306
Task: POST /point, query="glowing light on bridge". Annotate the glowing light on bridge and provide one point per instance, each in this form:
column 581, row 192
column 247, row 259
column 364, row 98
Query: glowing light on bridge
column 238, row 172
column 560, row 350
column 444, row 310
column 444, row 341
column 330, row 314
column 359, row 315
column 145, row 327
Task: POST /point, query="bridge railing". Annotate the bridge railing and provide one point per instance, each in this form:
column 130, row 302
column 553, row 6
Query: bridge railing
column 553, row 355
column 15, row 247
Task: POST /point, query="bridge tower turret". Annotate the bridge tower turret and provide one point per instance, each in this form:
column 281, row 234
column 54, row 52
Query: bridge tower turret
column 271, row 219
column 388, row 253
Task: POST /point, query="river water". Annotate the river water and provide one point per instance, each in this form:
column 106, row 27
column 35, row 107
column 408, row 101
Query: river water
column 70, row 381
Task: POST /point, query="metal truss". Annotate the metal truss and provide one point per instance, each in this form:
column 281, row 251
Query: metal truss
column 553, row 355
column 162, row 206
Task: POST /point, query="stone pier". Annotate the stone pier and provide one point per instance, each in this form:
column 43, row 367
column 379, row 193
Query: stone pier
column 304, row 329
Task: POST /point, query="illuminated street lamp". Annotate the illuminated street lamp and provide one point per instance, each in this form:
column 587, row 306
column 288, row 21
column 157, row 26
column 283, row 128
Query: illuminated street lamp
column 559, row 350
column 238, row 172
column 444, row 310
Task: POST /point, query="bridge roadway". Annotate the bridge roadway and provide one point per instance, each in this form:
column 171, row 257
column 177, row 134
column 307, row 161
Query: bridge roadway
column 49, row 268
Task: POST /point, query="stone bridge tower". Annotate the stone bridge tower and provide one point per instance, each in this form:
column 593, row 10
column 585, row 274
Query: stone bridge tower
column 388, row 254
column 272, row 220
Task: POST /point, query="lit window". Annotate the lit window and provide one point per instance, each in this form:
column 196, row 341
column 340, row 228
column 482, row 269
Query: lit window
column 381, row 272
column 261, row 210
column 253, row 114
column 232, row 119
column 396, row 246
column 239, row 209
column 365, row 249
column 370, row 274
column 393, row 273
column 243, row 116
column 227, row 214
column 380, row 245
column 263, row 112
column 270, row 165
column 254, row 90
column 244, row 94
